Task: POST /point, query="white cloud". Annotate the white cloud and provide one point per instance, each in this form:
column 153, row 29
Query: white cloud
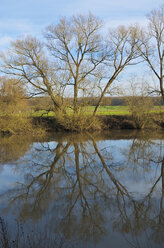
column 11, row 29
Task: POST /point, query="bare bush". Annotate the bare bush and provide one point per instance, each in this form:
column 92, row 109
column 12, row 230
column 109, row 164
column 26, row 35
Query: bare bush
column 139, row 103
column 78, row 122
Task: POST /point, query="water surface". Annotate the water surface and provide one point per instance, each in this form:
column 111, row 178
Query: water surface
column 92, row 190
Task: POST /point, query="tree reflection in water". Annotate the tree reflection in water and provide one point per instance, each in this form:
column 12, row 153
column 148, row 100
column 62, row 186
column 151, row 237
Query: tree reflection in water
column 76, row 187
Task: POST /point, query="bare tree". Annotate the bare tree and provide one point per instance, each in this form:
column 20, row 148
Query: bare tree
column 77, row 45
column 27, row 62
column 152, row 49
column 123, row 41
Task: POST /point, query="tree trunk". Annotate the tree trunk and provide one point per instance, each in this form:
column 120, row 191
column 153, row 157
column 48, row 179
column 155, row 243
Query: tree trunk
column 75, row 99
column 102, row 95
column 110, row 81
column 56, row 105
column 161, row 87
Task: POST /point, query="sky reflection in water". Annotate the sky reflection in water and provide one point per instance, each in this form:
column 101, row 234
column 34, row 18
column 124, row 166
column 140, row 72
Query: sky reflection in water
column 91, row 190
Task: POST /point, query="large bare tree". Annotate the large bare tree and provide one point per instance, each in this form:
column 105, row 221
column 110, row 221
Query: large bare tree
column 27, row 62
column 77, row 45
column 123, row 45
column 152, row 49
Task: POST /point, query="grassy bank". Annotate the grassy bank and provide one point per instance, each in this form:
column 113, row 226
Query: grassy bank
column 101, row 122
column 108, row 117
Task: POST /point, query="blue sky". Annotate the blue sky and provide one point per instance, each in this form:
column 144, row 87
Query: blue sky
column 21, row 17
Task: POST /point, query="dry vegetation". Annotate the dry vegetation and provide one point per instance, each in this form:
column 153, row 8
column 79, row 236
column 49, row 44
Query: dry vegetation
column 13, row 108
column 78, row 122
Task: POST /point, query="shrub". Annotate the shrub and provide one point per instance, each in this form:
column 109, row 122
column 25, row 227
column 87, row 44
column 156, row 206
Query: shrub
column 17, row 125
column 78, row 122
column 139, row 103
column 140, row 108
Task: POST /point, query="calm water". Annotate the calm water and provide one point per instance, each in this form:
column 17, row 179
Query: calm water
column 101, row 190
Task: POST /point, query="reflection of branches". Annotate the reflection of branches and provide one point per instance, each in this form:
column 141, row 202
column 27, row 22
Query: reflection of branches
column 73, row 179
column 146, row 151
column 141, row 212
column 79, row 195
column 40, row 184
column 141, row 150
column 121, row 190
column 36, row 187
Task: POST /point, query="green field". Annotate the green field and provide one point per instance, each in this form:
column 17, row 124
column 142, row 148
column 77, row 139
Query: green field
column 103, row 110
column 109, row 110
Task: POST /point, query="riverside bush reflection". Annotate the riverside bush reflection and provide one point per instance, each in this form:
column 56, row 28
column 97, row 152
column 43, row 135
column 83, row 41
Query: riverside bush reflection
column 91, row 189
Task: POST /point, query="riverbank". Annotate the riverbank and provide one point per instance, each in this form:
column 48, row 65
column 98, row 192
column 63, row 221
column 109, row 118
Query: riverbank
column 106, row 122
column 19, row 125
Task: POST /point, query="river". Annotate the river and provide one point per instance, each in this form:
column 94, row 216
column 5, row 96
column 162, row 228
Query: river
column 92, row 190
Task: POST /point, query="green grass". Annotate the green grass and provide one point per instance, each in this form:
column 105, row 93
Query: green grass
column 42, row 113
column 120, row 110
column 114, row 110
column 109, row 110
column 103, row 110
